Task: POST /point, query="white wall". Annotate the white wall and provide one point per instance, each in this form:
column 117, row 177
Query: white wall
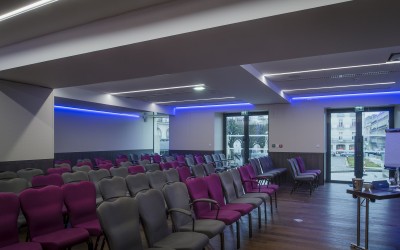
column 27, row 122
column 87, row 132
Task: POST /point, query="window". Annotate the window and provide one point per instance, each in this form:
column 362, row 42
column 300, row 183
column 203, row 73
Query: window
column 161, row 134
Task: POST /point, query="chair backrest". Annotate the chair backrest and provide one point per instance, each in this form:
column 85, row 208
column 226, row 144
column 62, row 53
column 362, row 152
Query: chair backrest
column 172, row 175
column 120, row 171
column 8, row 175
column 246, row 180
column 63, row 165
column 9, row 207
column 84, row 162
column 255, row 163
column 145, row 157
column 301, row 164
column 198, row 189
column 215, row 188
column 46, row 180
column 296, row 166
column 198, row 170
column 184, row 173
column 58, row 171
column 126, row 164
column 153, row 217
column 42, row 209
column 181, row 159
column 292, row 168
column 80, row 200
column 237, row 182
column 199, row 159
column 175, row 164
column 217, row 160
column 157, row 158
column 176, row 196
column 189, row 161
column 119, row 220
column 227, row 186
column 105, row 166
column 209, row 168
column 136, row 169
column 165, row 165
column 208, row 159
column 114, row 187
column 251, row 172
column 16, row 185
column 134, row 158
column 75, row 177
column 28, row 173
column 84, row 168
column 222, row 157
column 97, row 175
column 169, row 158
column 137, row 183
column 265, row 164
column 157, row 179
column 152, row 167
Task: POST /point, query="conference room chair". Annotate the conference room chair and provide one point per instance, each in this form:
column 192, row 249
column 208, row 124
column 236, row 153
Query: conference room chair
column 199, row 195
column 218, row 165
column 240, row 192
column 136, row 169
column 84, row 162
column 303, row 169
column 157, row 158
column 169, row 158
column 63, row 164
column 75, row 177
column 134, row 158
column 95, row 176
column 199, row 159
column 178, row 202
column 80, row 200
column 43, row 211
column 119, row 220
column 145, row 157
column 209, row 168
column 121, row 159
column 151, row 167
column 155, row 226
column 28, row 173
column 16, row 186
column 119, row 171
column 8, row 175
column 266, row 176
column 84, row 168
column 165, row 165
column 126, row 164
column 172, row 175
column 252, row 186
column 198, row 170
column 268, row 165
column 112, row 188
column 184, row 173
column 46, row 180
column 181, row 160
column 175, row 164
column 137, row 183
column 299, row 179
column 58, row 171
column 189, row 161
column 10, row 210
column 216, row 193
column 227, row 162
column 157, row 179
column 262, row 180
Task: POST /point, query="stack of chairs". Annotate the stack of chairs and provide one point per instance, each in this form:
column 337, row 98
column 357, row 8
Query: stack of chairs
column 311, row 179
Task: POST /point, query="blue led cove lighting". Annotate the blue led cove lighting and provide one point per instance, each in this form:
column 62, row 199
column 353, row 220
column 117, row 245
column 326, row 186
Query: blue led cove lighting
column 343, row 95
column 246, row 104
column 95, row 111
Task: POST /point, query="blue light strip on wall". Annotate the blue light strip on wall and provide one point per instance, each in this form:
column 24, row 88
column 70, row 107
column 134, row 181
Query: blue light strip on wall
column 216, row 106
column 95, row 111
column 344, row 95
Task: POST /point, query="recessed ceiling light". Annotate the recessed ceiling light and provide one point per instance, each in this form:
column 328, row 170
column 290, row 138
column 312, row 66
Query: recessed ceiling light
column 344, row 95
column 195, row 100
column 342, row 86
column 26, row 8
column 327, row 69
column 159, row 89
column 199, row 88
column 95, row 111
column 246, row 104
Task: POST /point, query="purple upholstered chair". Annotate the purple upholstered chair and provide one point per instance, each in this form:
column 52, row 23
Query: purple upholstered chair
column 46, row 180
column 199, row 159
column 184, row 173
column 302, row 167
column 181, row 160
column 157, row 158
column 253, row 176
column 9, row 207
column 165, row 165
column 80, row 199
column 136, row 169
column 198, row 191
column 216, row 193
column 43, row 211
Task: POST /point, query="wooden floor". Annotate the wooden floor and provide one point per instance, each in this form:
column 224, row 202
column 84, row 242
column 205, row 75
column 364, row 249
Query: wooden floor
column 326, row 220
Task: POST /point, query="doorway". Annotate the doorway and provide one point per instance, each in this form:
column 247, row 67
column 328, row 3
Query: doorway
column 356, row 143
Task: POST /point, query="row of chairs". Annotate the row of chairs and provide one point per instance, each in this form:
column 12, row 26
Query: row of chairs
column 302, row 176
column 265, row 169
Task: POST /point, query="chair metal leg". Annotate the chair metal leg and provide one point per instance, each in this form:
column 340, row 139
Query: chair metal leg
column 265, row 211
column 276, row 201
column 237, row 234
column 250, row 226
column 259, row 217
column 271, row 204
column 221, row 237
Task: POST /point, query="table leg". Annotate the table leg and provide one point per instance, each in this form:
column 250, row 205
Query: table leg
column 358, row 220
column 366, row 222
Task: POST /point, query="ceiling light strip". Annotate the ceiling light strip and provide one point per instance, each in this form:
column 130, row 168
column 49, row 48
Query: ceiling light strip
column 344, row 95
column 95, row 111
column 195, row 100
column 328, row 69
column 342, row 86
column 246, row 104
column 26, row 9
column 158, row 89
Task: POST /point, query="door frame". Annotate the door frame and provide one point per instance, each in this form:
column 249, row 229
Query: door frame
column 358, row 137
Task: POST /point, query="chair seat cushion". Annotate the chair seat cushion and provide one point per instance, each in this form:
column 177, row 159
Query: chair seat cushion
column 184, row 241
column 243, row 208
column 314, row 171
column 93, row 227
column 262, row 196
column 62, row 238
column 266, row 190
column 255, row 202
column 226, row 216
column 304, row 178
column 208, row 227
column 23, row 246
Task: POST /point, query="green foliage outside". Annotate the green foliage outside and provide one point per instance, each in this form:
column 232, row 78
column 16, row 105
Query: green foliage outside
column 367, row 163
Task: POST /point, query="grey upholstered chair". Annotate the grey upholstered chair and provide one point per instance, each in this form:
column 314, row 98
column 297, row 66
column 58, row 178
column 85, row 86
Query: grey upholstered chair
column 237, row 182
column 75, row 177
column 126, row 164
column 28, row 173
column 143, row 162
column 150, row 167
column 178, row 201
column 111, row 188
column 172, row 175
column 209, row 168
column 120, row 171
column 96, row 176
column 198, row 170
column 83, row 168
column 119, row 220
column 137, row 183
column 154, row 221
column 16, row 186
column 8, row 175
column 190, row 161
column 300, row 179
column 157, row 179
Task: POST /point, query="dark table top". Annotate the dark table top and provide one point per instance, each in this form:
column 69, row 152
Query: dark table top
column 376, row 194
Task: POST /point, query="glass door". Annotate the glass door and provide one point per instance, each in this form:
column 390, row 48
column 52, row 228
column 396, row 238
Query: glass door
column 246, row 136
column 356, row 143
